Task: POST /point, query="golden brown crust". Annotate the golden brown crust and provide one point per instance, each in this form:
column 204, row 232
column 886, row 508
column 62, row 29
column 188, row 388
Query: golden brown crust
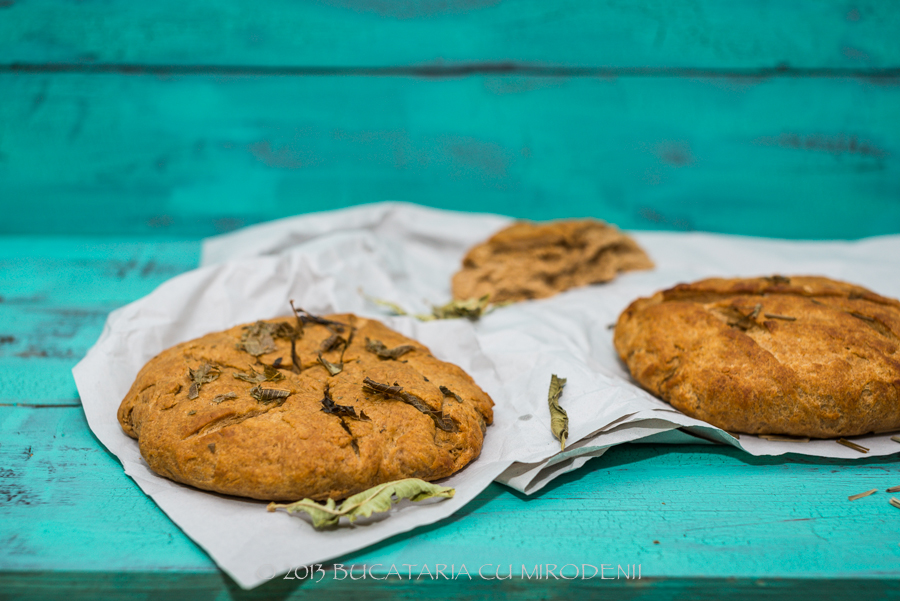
column 800, row 356
column 289, row 448
column 536, row 260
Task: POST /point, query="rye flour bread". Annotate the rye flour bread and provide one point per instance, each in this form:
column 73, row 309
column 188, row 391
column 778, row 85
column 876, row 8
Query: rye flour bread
column 227, row 412
column 799, row 356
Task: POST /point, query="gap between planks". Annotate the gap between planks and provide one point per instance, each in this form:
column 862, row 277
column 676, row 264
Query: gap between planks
column 440, row 71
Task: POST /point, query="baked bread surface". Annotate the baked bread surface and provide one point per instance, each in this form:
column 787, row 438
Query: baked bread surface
column 798, row 356
column 537, row 260
column 288, row 448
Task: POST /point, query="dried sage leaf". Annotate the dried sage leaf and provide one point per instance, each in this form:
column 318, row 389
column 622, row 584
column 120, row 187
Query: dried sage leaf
column 224, row 397
column 447, row 392
column 377, row 499
column 778, row 279
column 330, row 407
column 270, row 374
column 377, row 347
column 257, row 339
column 304, row 317
column 472, row 308
column 333, row 369
column 559, row 420
column 267, row 395
column 396, row 392
column 202, row 375
column 331, row 343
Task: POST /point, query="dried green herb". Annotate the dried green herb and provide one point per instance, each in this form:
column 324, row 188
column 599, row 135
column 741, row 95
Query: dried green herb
column 862, row 494
column 778, row 279
column 776, row 316
column 348, row 342
column 192, row 412
column 333, row 369
column 304, row 317
column 331, row 343
column 447, row 392
column 472, row 308
column 270, row 374
column 267, row 395
column 861, row 316
column 257, row 339
column 295, row 360
column 332, row 408
column 396, row 392
column 383, row 352
column 778, row 438
column 559, row 420
column 745, row 322
column 375, row 500
column 397, row 309
column 202, row 375
column 852, row 445
column 224, row 397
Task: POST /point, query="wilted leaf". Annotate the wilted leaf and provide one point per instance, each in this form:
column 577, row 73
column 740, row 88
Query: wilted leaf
column 559, row 420
column 332, row 342
column 257, row 339
column 377, row 499
column 333, row 369
column 377, row 347
column 267, row 395
column 202, row 375
column 472, row 308
column 270, row 374
column 224, row 397
column 329, row 406
column 447, row 392
column 396, row 392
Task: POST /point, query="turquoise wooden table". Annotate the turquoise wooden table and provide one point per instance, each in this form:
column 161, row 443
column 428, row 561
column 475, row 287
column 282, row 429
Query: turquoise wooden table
column 129, row 131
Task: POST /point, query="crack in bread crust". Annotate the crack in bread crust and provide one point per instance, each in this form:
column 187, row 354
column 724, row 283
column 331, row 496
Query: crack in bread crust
column 799, row 356
column 227, row 441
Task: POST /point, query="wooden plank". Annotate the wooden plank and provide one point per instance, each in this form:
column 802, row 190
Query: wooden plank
column 715, row 512
column 42, row 586
column 191, row 156
column 708, row 34
column 55, row 294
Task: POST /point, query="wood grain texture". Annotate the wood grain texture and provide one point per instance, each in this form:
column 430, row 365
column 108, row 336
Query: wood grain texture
column 569, row 33
column 55, row 294
column 190, row 156
column 715, row 512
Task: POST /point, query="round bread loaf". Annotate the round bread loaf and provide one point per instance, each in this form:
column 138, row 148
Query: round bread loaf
column 229, row 413
column 798, row 356
column 537, row 260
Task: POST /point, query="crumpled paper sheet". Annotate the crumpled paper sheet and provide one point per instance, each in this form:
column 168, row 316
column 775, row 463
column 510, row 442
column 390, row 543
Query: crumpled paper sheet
column 407, row 254
column 573, row 327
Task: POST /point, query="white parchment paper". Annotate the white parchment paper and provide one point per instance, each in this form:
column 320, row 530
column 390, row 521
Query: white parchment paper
column 407, row 254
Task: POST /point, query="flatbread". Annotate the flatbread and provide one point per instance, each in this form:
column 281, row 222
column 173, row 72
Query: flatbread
column 227, row 412
column 797, row 356
column 536, row 260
